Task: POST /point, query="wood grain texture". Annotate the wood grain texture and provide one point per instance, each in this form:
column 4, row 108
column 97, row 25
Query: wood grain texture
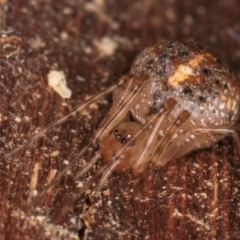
column 195, row 197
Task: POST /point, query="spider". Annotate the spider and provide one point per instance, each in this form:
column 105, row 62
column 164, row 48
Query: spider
column 178, row 97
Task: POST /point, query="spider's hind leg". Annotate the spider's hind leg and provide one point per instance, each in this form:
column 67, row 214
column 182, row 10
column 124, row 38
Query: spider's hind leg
column 230, row 132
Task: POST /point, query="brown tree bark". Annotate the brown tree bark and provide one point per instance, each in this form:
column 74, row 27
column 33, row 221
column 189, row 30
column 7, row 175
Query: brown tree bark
column 195, row 197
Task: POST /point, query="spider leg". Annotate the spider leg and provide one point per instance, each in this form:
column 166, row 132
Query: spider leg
column 179, row 148
column 51, row 126
column 117, row 112
column 169, row 104
column 84, row 170
column 85, row 188
column 167, row 152
column 105, row 175
column 88, row 167
column 151, row 134
column 125, row 101
column 186, row 148
column 89, row 183
column 231, row 132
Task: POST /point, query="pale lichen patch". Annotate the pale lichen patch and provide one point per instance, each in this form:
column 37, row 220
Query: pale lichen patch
column 57, row 80
column 176, row 213
column 66, row 162
column 37, row 42
column 51, row 175
column 54, row 153
column 198, row 221
column 79, row 184
column 34, row 177
column 17, row 119
column 52, row 231
column 106, row 46
column 92, row 106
